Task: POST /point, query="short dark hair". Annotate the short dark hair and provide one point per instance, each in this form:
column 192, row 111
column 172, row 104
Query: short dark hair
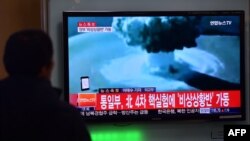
column 27, row 51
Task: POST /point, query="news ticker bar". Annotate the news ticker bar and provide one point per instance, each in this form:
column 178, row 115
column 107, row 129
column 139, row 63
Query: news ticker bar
column 126, row 90
column 90, row 111
column 236, row 132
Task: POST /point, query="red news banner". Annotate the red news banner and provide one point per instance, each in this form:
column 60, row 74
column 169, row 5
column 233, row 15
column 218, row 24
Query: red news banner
column 160, row 100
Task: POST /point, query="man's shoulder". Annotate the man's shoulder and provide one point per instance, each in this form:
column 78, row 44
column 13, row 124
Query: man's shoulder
column 70, row 120
column 64, row 111
column 67, row 108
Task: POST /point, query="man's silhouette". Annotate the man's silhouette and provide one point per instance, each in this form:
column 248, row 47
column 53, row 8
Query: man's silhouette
column 30, row 109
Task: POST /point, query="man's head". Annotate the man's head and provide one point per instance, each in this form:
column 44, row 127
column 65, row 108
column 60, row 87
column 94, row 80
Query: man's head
column 29, row 52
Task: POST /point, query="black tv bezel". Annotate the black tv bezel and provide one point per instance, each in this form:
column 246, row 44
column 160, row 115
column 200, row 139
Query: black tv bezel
column 131, row 118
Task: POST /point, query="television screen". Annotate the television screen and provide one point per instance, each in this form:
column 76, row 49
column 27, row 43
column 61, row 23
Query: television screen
column 155, row 65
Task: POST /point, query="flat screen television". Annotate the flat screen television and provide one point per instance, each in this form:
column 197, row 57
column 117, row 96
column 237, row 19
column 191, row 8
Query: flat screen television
column 155, row 65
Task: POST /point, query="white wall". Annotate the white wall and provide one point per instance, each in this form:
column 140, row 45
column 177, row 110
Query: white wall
column 171, row 131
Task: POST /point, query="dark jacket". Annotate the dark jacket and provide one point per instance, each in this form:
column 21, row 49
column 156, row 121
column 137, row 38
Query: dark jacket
column 31, row 110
